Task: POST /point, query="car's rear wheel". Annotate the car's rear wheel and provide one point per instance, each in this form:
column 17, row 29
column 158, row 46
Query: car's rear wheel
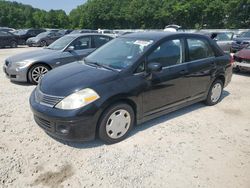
column 43, row 43
column 116, row 122
column 215, row 93
column 36, row 72
column 13, row 44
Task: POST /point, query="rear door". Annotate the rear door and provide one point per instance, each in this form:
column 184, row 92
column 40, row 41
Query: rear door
column 98, row 41
column 3, row 39
column 201, row 65
column 82, row 47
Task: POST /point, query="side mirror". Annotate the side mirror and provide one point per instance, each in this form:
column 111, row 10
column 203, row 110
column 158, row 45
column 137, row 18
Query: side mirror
column 154, row 67
column 71, row 48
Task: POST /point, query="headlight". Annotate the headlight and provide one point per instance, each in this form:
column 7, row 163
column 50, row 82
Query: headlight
column 78, row 99
column 22, row 64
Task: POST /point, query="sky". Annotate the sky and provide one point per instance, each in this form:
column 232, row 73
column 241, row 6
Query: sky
column 66, row 5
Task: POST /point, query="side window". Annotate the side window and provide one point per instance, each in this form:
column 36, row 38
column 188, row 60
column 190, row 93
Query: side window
column 99, row 41
column 168, row 53
column 222, row 37
column 82, row 43
column 199, row 49
column 140, row 68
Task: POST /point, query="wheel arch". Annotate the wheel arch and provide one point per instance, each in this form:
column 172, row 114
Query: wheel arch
column 34, row 64
column 114, row 100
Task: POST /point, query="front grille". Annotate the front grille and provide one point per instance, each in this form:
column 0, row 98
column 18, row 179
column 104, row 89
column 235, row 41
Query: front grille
column 43, row 123
column 47, row 100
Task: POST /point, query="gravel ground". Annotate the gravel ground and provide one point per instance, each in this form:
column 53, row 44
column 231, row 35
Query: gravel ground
column 197, row 146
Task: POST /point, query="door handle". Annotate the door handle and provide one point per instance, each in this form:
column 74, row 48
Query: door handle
column 213, row 65
column 183, row 72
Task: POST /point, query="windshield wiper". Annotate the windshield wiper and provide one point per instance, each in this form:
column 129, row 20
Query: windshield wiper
column 100, row 65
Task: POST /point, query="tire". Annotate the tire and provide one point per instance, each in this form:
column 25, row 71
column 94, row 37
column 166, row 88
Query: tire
column 39, row 70
column 237, row 69
column 215, row 93
column 43, row 43
column 13, row 44
column 123, row 117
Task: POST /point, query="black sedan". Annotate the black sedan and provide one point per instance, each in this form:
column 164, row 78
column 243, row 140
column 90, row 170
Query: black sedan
column 8, row 39
column 130, row 80
column 24, row 34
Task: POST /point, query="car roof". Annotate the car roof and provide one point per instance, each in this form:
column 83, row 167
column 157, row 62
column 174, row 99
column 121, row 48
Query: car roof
column 158, row 35
column 87, row 34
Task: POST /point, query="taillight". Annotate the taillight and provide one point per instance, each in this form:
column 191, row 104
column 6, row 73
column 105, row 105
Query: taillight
column 231, row 60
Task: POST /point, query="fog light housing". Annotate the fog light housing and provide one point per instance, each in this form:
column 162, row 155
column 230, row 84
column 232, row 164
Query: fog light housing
column 63, row 129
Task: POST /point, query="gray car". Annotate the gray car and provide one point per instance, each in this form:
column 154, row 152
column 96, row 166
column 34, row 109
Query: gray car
column 223, row 39
column 31, row 66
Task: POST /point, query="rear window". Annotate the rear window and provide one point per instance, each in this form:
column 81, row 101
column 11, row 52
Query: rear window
column 199, row 49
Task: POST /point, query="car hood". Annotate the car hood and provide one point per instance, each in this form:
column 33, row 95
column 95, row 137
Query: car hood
column 244, row 53
column 33, row 55
column 242, row 39
column 69, row 78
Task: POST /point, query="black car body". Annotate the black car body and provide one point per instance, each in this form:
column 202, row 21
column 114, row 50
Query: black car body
column 242, row 41
column 44, row 39
column 8, row 39
column 24, row 34
column 145, row 74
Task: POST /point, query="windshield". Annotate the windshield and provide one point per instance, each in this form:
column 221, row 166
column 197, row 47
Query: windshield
column 119, row 53
column 21, row 32
column 61, row 43
column 245, row 34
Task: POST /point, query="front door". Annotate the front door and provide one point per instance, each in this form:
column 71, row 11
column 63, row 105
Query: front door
column 170, row 86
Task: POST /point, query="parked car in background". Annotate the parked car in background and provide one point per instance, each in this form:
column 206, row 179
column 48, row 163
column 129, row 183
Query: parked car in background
column 131, row 79
column 242, row 60
column 7, row 29
column 172, row 28
column 24, row 34
column 242, row 41
column 43, row 39
column 223, row 39
column 52, row 30
column 83, row 31
column 107, row 32
column 65, row 31
column 30, row 66
column 8, row 39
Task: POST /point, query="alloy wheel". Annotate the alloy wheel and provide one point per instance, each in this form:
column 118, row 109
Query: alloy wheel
column 38, row 72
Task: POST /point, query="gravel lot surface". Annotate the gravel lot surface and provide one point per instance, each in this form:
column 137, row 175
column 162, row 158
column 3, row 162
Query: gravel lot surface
column 197, row 146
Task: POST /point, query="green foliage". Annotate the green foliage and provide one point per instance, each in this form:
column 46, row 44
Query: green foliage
column 132, row 14
column 17, row 15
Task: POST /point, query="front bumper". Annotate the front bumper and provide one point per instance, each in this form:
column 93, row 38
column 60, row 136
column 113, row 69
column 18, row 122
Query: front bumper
column 33, row 43
column 13, row 74
column 63, row 124
column 242, row 65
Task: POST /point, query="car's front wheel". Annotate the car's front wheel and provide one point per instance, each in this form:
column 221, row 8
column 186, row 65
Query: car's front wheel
column 36, row 72
column 43, row 43
column 116, row 122
column 215, row 93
